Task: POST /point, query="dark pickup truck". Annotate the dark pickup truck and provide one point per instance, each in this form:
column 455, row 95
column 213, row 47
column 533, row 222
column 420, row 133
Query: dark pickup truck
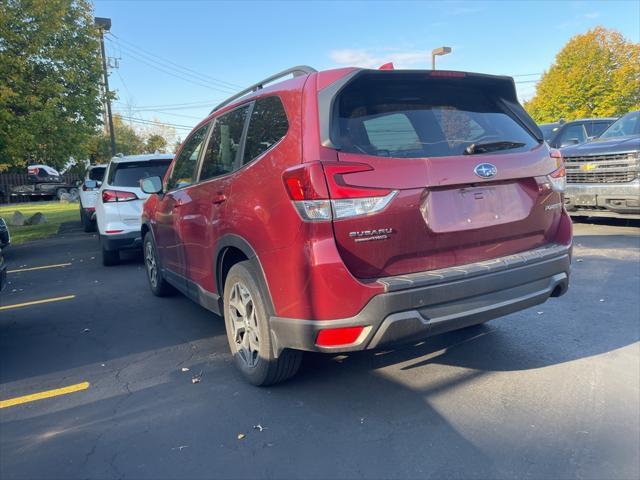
column 603, row 176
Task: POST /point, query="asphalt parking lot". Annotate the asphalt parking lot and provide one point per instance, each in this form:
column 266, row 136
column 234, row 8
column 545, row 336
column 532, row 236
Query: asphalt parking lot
column 551, row 392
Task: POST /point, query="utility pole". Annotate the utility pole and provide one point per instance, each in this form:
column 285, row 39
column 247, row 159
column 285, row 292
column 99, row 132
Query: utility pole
column 104, row 24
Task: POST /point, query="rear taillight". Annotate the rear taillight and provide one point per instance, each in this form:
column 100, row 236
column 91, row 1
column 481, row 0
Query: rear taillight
column 558, row 178
column 109, row 196
column 320, row 193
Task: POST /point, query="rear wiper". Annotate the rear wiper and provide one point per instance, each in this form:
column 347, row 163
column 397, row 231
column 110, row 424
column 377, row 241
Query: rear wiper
column 491, row 147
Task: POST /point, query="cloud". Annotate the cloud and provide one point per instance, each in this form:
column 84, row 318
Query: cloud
column 592, row 15
column 368, row 59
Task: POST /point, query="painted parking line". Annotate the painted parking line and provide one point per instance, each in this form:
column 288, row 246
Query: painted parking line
column 38, row 302
column 43, row 267
column 46, row 394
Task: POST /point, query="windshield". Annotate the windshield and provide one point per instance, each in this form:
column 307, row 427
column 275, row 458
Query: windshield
column 549, row 130
column 408, row 117
column 624, row 126
column 129, row 174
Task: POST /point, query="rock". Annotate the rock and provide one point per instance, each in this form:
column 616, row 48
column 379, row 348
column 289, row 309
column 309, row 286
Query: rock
column 36, row 219
column 17, row 219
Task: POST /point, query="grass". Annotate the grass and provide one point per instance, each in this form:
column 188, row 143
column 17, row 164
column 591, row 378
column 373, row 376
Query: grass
column 55, row 212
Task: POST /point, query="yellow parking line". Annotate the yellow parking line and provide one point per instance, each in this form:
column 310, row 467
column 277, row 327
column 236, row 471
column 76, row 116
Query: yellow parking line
column 37, row 302
column 58, row 265
column 46, row 394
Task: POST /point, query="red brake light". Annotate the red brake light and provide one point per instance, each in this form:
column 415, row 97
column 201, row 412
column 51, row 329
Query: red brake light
column 333, row 337
column 117, row 196
column 306, row 182
column 447, row 74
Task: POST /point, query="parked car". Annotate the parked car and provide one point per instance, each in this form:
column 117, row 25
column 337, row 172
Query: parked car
column 44, row 183
column 89, row 196
column 563, row 134
column 603, row 176
column 120, row 202
column 5, row 236
column 353, row 209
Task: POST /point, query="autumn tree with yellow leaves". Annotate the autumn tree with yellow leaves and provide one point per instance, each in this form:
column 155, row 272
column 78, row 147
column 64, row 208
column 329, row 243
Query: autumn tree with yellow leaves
column 596, row 74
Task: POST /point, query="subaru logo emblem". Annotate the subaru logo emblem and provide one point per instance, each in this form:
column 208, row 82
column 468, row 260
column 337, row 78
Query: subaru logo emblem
column 485, row 170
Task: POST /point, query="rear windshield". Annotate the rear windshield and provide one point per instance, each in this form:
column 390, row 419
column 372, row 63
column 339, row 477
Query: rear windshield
column 129, row 174
column 97, row 173
column 411, row 117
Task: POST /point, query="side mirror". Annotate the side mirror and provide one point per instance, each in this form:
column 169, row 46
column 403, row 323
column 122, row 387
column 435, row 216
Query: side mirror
column 90, row 184
column 151, row 185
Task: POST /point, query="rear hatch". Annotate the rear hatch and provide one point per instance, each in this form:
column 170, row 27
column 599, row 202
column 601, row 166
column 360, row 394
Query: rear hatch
column 125, row 178
column 462, row 165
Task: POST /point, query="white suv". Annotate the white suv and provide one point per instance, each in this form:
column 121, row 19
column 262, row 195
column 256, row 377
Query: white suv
column 89, row 196
column 120, row 202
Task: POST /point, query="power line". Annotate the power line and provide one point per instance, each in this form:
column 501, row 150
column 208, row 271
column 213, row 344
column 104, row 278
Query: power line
column 203, row 103
column 195, row 72
column 166, row 70
column 153, row 122
column 131, row 47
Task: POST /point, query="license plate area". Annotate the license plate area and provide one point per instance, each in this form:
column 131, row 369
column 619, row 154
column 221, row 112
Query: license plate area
column 474, row 207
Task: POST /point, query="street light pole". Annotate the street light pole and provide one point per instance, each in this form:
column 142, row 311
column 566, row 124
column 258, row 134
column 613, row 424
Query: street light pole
column 438, row 51
column 104, row 24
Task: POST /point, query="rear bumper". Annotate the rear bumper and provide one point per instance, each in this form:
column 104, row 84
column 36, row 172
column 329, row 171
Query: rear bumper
column 121, row 241
column 420, row 305
column 604, row 199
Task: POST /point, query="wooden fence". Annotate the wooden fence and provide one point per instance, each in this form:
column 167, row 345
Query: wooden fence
column 8, row 180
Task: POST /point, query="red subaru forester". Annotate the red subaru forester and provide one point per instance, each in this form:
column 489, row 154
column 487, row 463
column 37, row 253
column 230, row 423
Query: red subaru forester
column 352, row 209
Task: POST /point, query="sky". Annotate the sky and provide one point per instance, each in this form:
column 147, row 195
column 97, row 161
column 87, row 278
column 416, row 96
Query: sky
column 177, row 59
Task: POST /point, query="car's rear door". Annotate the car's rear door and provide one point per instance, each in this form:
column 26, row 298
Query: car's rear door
column 452, row 201
column 167, row 227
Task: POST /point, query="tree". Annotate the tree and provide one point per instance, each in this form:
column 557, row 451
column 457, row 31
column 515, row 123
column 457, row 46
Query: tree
column 155, row 143
column 49, row 81
column 596, row 74
column 128, row 142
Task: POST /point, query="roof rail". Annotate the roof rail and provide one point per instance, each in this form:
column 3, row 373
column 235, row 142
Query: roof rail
column 295, row 71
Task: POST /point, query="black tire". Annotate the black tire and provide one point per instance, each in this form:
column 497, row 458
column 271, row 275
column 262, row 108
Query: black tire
column 110, row 257
column 60, row 192
column 266, row 369
column 159, row 286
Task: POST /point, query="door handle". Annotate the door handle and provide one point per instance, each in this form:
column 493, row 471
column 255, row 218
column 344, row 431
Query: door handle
column 219, row 198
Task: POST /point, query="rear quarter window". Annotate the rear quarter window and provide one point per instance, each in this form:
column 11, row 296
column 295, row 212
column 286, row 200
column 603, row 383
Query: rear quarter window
column 267, row 126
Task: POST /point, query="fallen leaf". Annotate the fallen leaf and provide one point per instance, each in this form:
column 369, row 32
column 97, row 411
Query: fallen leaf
column 241, row 436
column 86, row 330
column 259, row 427
column 195, row 380
column 184, row 369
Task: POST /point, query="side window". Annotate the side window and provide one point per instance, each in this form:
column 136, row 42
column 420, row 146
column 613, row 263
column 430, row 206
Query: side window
column 571, row 135
column 223, row 149
column 267, row 126
column 392, row 132
column 184, row 168
column 597, row 128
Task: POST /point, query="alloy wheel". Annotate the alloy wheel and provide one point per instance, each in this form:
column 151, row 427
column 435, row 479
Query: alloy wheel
column 150, row 261
column 244, row 320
